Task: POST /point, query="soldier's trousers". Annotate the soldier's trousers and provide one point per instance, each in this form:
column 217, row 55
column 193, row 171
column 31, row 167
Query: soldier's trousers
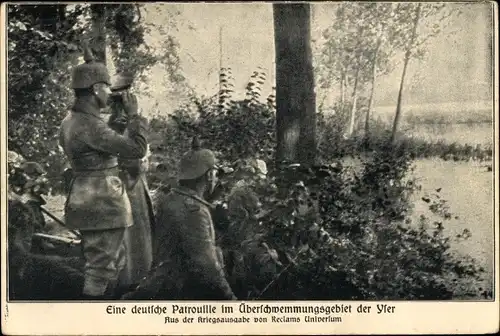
column 104, row 253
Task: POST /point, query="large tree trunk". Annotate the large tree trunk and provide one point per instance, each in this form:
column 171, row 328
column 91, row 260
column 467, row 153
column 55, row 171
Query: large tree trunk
column 295, row 97
column 405, row 65
column 99, row 32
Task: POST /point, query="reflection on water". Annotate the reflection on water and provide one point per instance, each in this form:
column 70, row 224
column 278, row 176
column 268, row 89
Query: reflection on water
column 468, row 190
column 472, row 134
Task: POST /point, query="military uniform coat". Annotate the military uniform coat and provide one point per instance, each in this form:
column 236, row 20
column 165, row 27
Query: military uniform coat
column 187, row 263
column 97, row 196
column 138, row 237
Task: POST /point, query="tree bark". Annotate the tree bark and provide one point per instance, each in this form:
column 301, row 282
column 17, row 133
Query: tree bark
column 342, row 90
column 350, row 130
column 295, row 96
column 98, row 13
column 405, row 65
column 372, row 89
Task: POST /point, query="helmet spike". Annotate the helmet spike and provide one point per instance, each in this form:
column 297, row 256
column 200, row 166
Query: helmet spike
column 89, row 73
column 195, row 144
column 88, row 57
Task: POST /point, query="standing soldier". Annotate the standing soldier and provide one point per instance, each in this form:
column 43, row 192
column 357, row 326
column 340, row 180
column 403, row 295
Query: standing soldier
column 138, row 237
column 97, row 202
column 187, row 263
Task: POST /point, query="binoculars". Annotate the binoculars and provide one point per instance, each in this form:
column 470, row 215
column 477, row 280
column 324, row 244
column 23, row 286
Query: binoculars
column 116, row 97
column 121, row 86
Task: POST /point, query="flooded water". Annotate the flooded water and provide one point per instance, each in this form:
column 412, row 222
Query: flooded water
column 464, row 122
column 451, row 112
column 472, row 134
column 469, row 190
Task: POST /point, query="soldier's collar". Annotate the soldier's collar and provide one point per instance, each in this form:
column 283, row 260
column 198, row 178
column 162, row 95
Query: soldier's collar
column 84, row 106
column 191, row 193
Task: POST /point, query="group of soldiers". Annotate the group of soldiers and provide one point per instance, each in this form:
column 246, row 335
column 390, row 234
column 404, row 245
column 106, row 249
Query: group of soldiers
column 169, row 253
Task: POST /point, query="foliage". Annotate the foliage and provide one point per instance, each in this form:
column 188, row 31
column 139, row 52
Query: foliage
column 417, row 148
column 42, row 43
column 132, row 52
column 319, row 232
column 366, row 40
column 331, row 123
column 353, row 38
column 234, row 129
column 43, row 47
column 126, row 35
column 313, row 232
column 435, row 19
column 342, row 235
column 468, row 118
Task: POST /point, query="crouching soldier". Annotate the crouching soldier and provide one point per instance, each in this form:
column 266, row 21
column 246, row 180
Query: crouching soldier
column 187, row 265
column 97, row 204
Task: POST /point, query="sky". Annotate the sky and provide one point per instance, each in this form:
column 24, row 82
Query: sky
column 457, row 67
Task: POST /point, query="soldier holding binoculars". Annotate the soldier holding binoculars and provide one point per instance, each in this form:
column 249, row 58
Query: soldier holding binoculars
column 138, row 237
column 97, row 204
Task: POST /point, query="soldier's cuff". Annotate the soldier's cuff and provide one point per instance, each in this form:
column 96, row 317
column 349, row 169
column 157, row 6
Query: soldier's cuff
column 138, row 124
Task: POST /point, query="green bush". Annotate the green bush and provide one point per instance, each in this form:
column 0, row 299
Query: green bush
column 42, row 46
column 342, row 236
column 332, row 123
column 234, row 129
column 334, row 145
column 320, row 232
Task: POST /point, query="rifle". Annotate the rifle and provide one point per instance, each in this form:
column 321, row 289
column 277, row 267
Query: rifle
column 68, row 241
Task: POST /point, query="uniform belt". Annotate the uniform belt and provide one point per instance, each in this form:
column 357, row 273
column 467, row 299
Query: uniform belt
column 111, row 171
column 91, row 160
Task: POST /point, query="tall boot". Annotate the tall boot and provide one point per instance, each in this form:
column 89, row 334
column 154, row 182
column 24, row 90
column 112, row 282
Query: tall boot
column 110, row 292
column 103, row 297
column 120, row 291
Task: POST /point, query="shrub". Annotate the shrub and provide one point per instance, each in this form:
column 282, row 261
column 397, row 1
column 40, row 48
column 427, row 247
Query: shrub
column 332, row 144
column 234, row 129
column 343, row 236
column 319, row 232
column 42, row 46
column 322, row 232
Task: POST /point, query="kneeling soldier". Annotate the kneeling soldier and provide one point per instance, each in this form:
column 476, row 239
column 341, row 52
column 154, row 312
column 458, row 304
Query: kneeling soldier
column 187, row 263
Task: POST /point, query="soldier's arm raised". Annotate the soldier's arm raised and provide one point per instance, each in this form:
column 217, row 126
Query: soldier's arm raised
column 133, row 146
column 200, row 247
